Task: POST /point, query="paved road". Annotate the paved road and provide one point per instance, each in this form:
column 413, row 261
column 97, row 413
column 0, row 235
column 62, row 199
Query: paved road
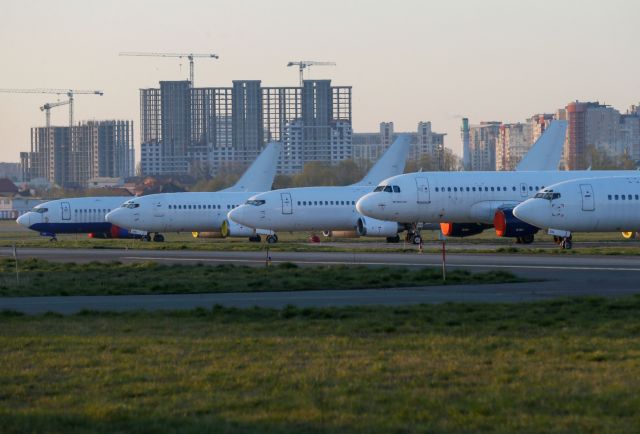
column 564, row 276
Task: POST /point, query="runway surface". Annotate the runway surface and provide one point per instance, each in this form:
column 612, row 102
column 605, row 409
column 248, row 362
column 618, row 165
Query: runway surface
column 563, row 276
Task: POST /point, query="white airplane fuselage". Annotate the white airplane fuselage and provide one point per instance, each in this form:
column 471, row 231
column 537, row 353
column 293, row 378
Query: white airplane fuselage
column 586, row 205
column 303, row 209
column 461, row 197
column 178, row 212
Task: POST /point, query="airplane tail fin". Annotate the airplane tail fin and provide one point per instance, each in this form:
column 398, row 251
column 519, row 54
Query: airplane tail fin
column 546, row 152
column 390, row 164
column 259, row 176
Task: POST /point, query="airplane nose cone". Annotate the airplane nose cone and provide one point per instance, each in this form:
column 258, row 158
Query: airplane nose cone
column 370, row 206
column 239, row 215
column 536, row 212
column 24, row 220
column 118, row 217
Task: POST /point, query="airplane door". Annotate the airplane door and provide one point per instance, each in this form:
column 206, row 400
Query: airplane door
column 158, row 209
column 66, row 210
column 422, row 186
column 588, row 204
column 523, row 190
column 287, row 207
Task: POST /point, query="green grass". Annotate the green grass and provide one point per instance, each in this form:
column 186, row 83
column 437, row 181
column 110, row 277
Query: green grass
column 38, row 278
column 556, row 367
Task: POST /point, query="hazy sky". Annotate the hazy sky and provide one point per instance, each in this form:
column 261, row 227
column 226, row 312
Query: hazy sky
column 406, row 60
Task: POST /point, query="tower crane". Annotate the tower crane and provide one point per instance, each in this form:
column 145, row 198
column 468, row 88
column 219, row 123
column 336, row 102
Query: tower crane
column 70, row 93
column 303, row 64
column 189, row 56
column 47, row 109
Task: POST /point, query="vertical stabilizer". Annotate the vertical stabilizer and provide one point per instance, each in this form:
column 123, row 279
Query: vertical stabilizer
column 546, row 152
column 259, row 176
column 390, row 164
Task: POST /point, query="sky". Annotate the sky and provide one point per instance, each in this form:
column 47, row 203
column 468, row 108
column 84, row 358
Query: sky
column 407, row 60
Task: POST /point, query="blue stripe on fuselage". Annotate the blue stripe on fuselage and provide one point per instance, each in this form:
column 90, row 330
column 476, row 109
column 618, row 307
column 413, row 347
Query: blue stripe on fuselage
column 72, row 228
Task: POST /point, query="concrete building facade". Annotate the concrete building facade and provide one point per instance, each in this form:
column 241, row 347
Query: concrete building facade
column 313, row 122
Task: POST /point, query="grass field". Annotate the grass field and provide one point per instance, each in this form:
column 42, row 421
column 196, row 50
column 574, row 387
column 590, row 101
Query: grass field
column 556, row 367
column 39, row 278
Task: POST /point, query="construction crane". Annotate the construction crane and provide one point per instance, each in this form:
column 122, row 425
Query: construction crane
column 47, row 109
column 189, row 56
column 70, row 93
column 303, row 64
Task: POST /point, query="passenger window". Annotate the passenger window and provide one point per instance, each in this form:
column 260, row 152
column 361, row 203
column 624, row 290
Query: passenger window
column 629, row 197
column 615, row 197
column 491, row 188
column 622, row 196
column 636, row 197
column 486, row 189
column 473, row 189
column 530, row 188
column 436, row 189
column 331, row 202
column 448, row 188
column 467, row 188
column 353, row 202
column 609, row 197
column 298, row 203
column 514, row 189
column 342, row 202
column 326, row 202
column 315, row 202
column 455, row 188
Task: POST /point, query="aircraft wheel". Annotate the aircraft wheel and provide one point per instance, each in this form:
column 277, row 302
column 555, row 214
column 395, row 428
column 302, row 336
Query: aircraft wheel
column 53, row 239
column 417, row 239
column 566, row 244
column 395, row 239
column 255, row 238
column 527, row 239
column 146, row 238
column 158, row 238
column 272, row 239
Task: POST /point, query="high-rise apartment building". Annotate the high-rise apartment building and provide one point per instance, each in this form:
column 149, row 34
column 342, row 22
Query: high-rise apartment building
column 600, row 126
column 223, row 125
column 513, row 142
column 368, row 147
column 69, row 157
column 482, row 145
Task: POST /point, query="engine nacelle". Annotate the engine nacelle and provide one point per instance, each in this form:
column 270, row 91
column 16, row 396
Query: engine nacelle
column 341, row 234
column 230, row 228
column 206, row 234
column 462, row 229
column 507, row 225
column 368, row 227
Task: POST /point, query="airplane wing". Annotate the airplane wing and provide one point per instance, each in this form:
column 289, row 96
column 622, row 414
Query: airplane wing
column 259, row 176
column 546, row 152
column 390, row 164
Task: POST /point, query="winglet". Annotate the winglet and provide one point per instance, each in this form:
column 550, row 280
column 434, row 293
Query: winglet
column 259, row 176
column 390, row 164
column 546, row 152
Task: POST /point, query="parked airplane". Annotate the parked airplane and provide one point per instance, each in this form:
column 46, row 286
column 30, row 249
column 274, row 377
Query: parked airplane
column 74, row 216
column 585, row 205
column 203, row 214
column 331, row 210
column 328, row 209
column 466, row 203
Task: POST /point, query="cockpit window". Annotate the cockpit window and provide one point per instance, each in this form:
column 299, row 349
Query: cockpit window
column 40, row 210
column 549, row 195
column 388, row 189
column 396, row 189
column 130, row 205
column 255, row 202
column 379, row 188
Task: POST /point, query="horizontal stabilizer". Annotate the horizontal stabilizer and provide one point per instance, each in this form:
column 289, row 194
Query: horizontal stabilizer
column 390, row 164
column 259, row 176
column 546, row 152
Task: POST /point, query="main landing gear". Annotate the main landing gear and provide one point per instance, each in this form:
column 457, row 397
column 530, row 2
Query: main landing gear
column 413, row 237
column 157, row 238
column 525, row 239
column 255, row 238
column 272, row 239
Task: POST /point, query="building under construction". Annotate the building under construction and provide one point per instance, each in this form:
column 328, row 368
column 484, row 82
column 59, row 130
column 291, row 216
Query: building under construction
column 181, row 126
column 71, row 156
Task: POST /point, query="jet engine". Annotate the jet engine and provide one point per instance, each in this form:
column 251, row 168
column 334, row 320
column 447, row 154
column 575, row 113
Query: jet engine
column 462, row 229
column 230, row 228
column 507, row 225
column 341, row 234
column 369, row 227
column 206, row 234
